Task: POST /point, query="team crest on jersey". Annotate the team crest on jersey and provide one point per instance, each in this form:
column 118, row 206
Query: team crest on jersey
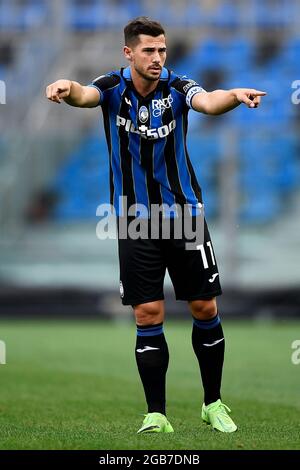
column 143, row 114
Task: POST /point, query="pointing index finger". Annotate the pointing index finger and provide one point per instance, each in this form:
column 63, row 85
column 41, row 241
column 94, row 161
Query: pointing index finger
column 258, row 93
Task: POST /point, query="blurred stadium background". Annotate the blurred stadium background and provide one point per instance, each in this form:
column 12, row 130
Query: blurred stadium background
column 54, row 167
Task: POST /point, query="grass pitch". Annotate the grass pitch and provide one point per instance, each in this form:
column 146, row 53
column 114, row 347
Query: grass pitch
column 74, row 385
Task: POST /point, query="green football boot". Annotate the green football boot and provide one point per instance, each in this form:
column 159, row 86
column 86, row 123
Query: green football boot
column 155, row 422
column 216, row 414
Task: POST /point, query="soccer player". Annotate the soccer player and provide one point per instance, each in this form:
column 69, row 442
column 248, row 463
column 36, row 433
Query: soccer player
column 145, row 108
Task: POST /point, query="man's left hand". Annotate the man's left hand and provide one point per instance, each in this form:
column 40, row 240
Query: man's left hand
column 249, row 96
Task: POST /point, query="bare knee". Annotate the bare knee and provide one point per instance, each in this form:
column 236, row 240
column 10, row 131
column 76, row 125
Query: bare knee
column 150, row 313
column 204, row 309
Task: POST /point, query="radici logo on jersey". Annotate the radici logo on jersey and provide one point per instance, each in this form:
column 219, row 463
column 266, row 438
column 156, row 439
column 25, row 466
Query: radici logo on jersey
column 144, row 131
column 159, row 106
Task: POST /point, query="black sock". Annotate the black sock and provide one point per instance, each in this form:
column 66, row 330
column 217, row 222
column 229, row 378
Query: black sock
column 209, row 345
column 152, row 365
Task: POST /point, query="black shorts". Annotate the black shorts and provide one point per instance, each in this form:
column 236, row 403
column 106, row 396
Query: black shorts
column 143, row 263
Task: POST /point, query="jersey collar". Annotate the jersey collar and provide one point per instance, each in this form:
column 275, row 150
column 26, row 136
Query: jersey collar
column 163, row 81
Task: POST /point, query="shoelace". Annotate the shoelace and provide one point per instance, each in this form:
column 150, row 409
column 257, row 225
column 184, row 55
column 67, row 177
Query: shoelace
column 224, row 408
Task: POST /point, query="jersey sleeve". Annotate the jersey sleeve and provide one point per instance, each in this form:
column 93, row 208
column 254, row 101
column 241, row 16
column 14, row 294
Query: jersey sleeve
column 105, row 84
column 188, row 88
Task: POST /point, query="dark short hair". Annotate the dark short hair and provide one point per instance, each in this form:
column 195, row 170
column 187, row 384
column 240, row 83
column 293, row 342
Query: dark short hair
column 141, row 25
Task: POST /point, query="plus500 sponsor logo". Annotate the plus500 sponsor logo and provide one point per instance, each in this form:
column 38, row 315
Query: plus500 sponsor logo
column 144, row 131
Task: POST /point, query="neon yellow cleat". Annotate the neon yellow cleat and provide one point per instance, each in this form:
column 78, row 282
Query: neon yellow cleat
column 155, row 422
column 216, row 414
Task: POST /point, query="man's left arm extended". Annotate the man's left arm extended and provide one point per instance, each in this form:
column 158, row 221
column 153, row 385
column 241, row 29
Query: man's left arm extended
column 220, row 101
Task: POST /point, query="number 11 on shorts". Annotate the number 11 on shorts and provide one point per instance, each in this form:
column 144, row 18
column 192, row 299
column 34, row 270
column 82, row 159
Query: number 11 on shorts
column 203, row 254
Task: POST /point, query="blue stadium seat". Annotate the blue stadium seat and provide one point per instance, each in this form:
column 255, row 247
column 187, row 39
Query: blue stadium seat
column 92, row 14
column 272, row 13
column 83, row 181
column 238, row 55
column 269, row 163
column 259, row 207
column 23, row 16
column 228, row 15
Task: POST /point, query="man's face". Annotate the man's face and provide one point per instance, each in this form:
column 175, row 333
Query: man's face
column 148, row 56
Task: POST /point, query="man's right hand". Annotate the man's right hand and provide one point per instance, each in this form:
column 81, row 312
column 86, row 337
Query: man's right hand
column 58, row 90
column 73, row 94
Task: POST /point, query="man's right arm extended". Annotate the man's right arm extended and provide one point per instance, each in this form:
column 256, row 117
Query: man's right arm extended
column 73, row 93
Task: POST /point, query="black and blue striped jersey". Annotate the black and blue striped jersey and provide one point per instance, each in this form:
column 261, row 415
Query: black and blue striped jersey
column 146, row 138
